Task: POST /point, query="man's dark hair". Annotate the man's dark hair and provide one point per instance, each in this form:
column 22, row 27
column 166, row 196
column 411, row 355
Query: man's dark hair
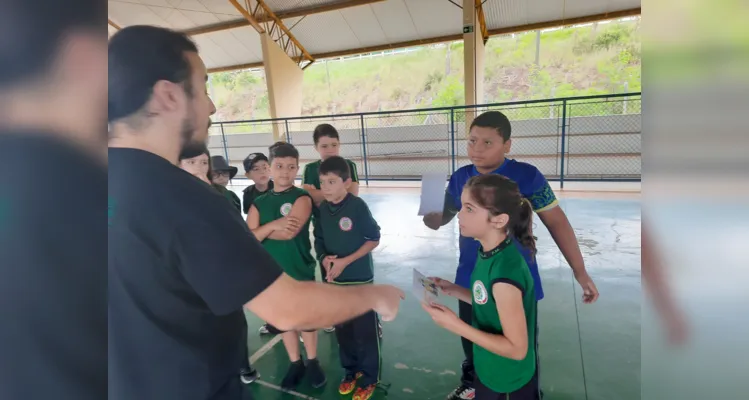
column 324, row 130
column 495, row 120
column 335, row 165
column 282, row 150
column 140, row 56
column 32, row 34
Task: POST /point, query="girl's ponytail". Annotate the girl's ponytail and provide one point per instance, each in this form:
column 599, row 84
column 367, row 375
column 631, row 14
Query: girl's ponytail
column 522, row 227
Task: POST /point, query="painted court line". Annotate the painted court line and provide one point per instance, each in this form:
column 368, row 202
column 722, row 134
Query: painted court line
column 291, row 392
column 266, row 348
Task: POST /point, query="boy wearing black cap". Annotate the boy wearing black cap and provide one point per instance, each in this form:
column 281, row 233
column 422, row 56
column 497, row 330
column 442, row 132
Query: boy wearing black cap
column 257, row 169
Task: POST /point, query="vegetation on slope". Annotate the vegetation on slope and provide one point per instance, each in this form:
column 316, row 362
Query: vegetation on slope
column 587, row 60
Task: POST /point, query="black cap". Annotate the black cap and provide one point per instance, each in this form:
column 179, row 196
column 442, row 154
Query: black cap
column 253, row 158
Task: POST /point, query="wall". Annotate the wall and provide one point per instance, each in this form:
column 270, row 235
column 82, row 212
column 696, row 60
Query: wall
column 284, row 79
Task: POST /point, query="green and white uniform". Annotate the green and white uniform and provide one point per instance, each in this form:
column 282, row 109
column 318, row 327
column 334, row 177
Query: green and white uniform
column 504, row 264
column 295, row 255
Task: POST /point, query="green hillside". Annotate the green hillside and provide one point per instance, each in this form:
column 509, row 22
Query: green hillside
column 594, row 59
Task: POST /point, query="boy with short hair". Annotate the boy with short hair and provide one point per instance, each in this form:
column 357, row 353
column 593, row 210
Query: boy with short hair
column 280, row 220
column 488, row 142
column 327, row 144
column 256, row 169
column 345, row 236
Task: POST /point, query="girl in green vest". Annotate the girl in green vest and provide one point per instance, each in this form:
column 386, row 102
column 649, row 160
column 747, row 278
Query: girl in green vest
column 502, row 294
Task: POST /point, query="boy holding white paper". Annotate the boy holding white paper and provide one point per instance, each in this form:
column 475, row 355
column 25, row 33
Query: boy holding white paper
column 345, row 236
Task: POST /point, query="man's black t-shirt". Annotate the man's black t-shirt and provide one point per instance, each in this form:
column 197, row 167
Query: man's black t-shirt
column 181, row 266
column 53, row 293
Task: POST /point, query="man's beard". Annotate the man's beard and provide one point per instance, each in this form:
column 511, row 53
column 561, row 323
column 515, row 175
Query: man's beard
column 188, row 134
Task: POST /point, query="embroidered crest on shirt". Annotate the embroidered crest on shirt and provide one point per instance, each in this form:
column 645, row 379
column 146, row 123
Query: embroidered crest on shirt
column 479, row 293
column 285, row 209
column 345, row 224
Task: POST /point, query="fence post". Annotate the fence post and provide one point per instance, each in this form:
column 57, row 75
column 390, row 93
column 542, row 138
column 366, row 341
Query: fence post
column 223, row 141
column 564, row 131
column 452, row 139
column 288, row 134
column 364, row 150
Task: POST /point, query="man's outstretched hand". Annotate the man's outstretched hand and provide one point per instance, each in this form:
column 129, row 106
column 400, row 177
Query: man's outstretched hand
column 387, row 301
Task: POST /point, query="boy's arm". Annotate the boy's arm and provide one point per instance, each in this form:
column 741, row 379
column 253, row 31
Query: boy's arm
column 320, row 249
column 354, row 187
column 371, row 232
column 300, row 211
column 307, row 185
column 253, row 222
column 545, row 204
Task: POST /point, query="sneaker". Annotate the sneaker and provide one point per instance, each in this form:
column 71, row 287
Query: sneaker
column 316, row 375
column 293, row 376
column 348, row 384
column 463, row 392
column 364, row 393
column 330, row 329
column 263, row 330
column 248, row 376
column 379, row 329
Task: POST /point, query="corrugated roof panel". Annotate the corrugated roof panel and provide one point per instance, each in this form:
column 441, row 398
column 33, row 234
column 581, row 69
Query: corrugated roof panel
column 325, row 32
column 175, row 18
column 435, row 18
column 249, row 40
column 221, row 7
column 125, row 14
column 188, row 5
column 363, row 22
column 286, row 5
column 212, row 53
column 396, row 23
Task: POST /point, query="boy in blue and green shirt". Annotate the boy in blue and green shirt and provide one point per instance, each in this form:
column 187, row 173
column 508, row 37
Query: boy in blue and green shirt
column 345, row 235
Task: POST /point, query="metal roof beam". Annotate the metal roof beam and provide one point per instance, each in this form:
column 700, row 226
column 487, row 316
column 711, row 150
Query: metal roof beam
column 482, row 19
column 238, row 23
column 455, row 37
column 275, row 29
column 113, row 25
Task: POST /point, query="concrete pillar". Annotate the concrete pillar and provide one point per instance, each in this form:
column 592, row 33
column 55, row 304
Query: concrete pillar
column 473, row 58
column 284, row 80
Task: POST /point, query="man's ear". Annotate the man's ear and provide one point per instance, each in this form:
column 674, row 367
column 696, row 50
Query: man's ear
column 166, row 97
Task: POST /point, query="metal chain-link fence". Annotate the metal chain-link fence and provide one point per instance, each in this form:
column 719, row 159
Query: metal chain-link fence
column 582, row 138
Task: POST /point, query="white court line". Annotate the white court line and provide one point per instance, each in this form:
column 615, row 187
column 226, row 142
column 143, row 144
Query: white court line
column 266, row 348
column 291, row 392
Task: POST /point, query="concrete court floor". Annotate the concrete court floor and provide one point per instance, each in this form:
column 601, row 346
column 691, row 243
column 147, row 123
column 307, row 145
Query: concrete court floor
column 600, row 360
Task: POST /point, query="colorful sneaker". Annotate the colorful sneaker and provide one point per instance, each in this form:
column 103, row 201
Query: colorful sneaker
column 348, row 384
column 364, row 393
column 293, row 376
column 315, row 373
column 463, row 392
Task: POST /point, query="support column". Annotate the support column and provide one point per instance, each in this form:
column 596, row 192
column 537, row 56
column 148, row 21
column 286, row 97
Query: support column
column 473, row 58
column 283, row 77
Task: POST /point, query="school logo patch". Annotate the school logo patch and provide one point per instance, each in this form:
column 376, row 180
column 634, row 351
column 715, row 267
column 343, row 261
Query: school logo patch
column 480, row 296
column 285, row 209
column 345, row 224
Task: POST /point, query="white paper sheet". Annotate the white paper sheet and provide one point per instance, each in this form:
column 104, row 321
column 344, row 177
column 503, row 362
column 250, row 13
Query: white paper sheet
column 424, row 288
column 432, row 193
